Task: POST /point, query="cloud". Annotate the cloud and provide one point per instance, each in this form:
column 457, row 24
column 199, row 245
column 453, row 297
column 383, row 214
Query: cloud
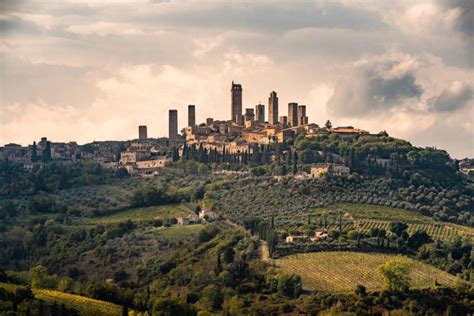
column 49, row 85
column 84, row 70
column 456, row 96
column 375, row 85
column 104, row 29
column 462, row 13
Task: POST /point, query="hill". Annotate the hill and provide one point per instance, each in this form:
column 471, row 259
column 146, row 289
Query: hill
column 84, row 305
column 342, row 271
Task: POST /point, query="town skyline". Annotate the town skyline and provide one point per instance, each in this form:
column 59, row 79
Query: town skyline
column 85, row 71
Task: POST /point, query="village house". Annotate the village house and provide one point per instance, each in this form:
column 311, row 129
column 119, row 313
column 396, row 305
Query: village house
column 347, row 130
column 188, row 220
column 296, row 238
column 208, row 215
column 320, row 169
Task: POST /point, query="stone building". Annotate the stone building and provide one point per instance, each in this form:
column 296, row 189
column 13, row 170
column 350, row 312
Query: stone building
column 293, row 114
column 249, row 115
column 273, row 108
column 260, row 113
column 302, row 118
column 173, row 125
column 236, row 102
column 284, row 120
column 191, row 115
column 142, row 132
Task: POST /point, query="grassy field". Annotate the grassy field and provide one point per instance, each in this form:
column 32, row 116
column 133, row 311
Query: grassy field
column 138, row 215
column 367, row 216
column 178, row 231
column 342, row 271
column 85, row 305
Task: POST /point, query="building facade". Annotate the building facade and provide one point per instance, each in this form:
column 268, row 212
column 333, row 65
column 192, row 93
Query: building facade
column 260, row 113
column 173, row 125
column 142, row 132
column 236, row 102
column 293, row 114
column 191, row 115
column 273, row 108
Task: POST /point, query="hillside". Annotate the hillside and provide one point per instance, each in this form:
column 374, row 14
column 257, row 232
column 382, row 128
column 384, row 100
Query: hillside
column 84, row 305
column 342, row 271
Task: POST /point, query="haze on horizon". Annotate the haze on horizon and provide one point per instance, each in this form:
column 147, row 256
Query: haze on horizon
column 95, row 70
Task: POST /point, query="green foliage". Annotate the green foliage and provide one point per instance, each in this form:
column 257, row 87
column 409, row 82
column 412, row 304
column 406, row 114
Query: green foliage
column 41, row 279
column 169, row 307
column 41, row 203
column 211, row 298
column 396, row 275
column 289, row 286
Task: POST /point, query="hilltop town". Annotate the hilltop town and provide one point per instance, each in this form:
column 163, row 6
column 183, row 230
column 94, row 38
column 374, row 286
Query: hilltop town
column 260, row 213
column 236, row 136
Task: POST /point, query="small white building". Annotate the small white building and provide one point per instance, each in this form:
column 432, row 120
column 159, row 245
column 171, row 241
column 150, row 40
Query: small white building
column 189, row 220
column 320, row 169
column 208, row 215
column 296, row 238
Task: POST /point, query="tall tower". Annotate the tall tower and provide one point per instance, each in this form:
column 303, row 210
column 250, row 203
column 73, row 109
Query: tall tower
column 273, row 108
column 260, row 113
column 301, row 114
column 191, row 115
column 142, row 134
column 236, row 102
column 173, row 125
column 293, row 114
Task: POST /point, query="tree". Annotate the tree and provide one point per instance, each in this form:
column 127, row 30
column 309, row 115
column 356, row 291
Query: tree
column 46, row 156
column 360, row 290
column 124, row 310
column 328, row 124
column 229, row 255
column 289, row 286
column 398, row 228
column 418, row 239
column 396, row 275
column 34, row 153
column 211, row 298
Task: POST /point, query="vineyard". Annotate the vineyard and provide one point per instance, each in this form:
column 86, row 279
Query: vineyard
column 342, row 271
column 85, row 305
column 437, row 231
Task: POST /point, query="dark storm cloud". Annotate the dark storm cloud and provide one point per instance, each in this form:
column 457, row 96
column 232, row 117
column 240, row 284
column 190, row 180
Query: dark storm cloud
column 374, row 89
column 452, row 99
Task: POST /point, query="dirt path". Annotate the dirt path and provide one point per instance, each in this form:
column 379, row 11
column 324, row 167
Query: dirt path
column 264, row 251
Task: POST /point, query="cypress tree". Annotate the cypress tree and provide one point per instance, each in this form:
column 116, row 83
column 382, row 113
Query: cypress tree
column 34, row 153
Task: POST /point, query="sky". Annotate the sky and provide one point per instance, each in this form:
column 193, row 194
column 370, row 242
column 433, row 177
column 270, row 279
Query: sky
column 95, row 70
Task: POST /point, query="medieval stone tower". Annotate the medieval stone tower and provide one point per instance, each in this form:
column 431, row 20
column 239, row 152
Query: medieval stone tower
column 236, row 102
column 273, row 108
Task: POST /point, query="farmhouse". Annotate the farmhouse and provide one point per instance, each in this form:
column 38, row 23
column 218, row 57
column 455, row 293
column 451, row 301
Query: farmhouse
column 320, row 169
column 208, row 215
column 189, row 220
column 296, row 238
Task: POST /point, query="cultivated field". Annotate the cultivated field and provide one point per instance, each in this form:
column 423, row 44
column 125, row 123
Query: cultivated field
column 367, row 216
column 85, row 305
column 342, row 271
